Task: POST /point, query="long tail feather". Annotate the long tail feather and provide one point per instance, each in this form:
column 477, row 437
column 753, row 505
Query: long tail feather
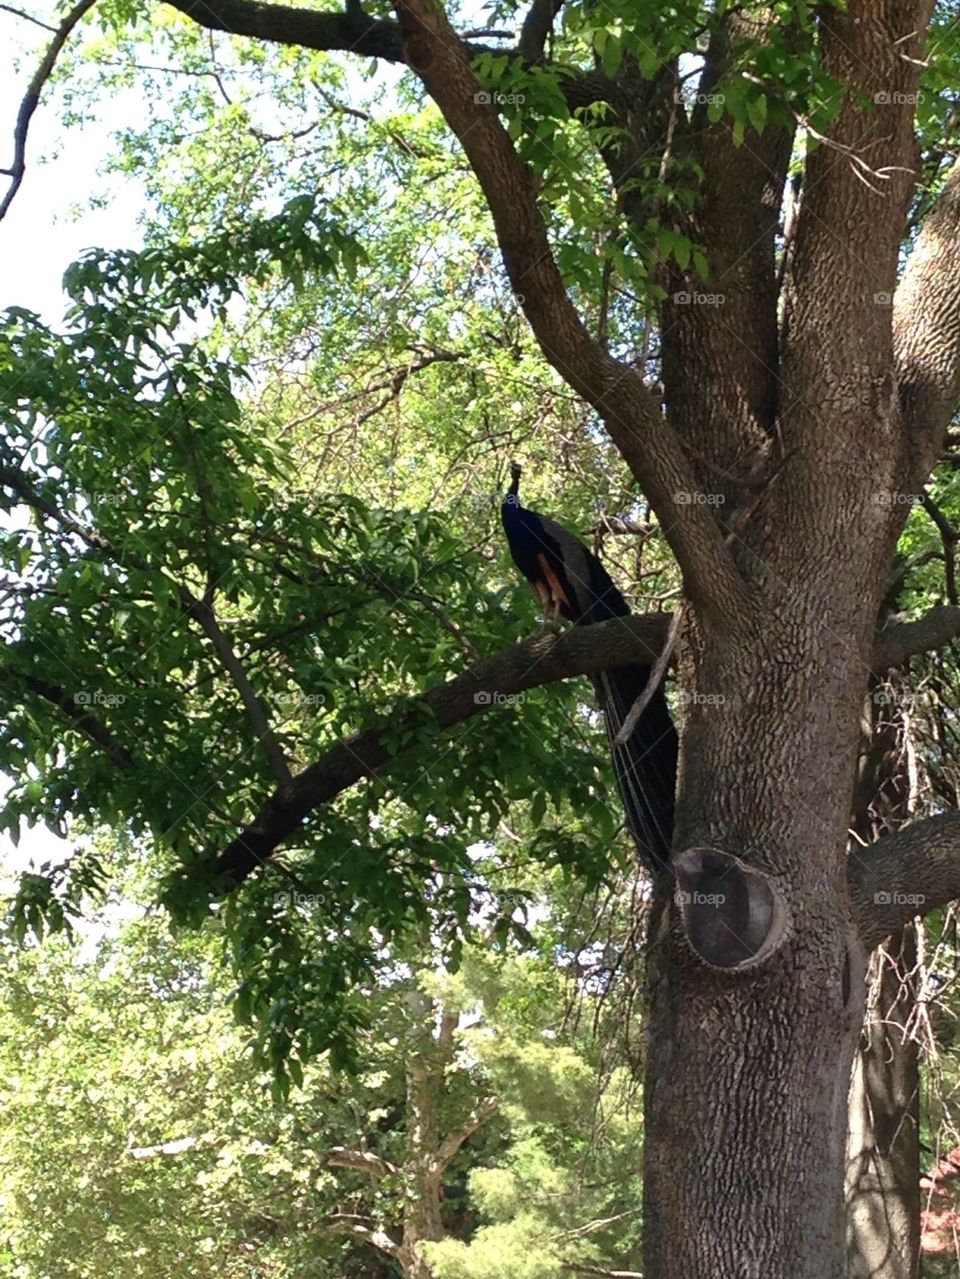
column 646, row 764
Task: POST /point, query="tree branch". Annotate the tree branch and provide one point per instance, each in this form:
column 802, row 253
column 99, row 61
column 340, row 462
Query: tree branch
column 256, row 712
column 359, row 1161
column 949, row 538
column 926, row 320
column 838, row 336
column 27, row 17
column 537, row 661
column 349, row 31
column 81, row 717
column 900, row 640
column 909, row 873
column 31, row 100
column 537, row 26
column 720, row 365
column 452, row 1142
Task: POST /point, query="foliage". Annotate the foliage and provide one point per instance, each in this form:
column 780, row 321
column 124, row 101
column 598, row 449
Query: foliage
column 140, row 1139
column 151, row 529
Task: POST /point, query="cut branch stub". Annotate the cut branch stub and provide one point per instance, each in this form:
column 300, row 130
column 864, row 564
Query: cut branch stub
column 733, row 915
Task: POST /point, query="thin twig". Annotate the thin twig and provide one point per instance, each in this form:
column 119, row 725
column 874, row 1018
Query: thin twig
column 949, row 536
column 653, row 683
column 31, row 100
column 18, row 13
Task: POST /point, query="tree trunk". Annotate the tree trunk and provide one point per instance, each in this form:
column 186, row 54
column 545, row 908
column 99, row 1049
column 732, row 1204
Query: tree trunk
column 883, row 1170
column 428, row 1055
column 751, row 1043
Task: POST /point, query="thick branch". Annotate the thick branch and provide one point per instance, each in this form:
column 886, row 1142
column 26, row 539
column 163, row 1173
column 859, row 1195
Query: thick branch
column 349, row 31
column 927, row 331
column 31, row 100
column 537, row 25
column 537, row 661
column 720, row 363
column 362, row 1228
column 900, row 640
column 359, row 1161
column 909, row 873
column 452, row 1142
column 838, row 346
column 617, row 392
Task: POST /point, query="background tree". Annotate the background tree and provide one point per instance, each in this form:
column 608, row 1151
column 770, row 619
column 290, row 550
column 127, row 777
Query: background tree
column 141, row 1139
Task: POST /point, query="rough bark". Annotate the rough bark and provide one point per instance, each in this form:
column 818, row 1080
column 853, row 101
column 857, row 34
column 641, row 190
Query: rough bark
column 927, row 333
column 748, row 1069
column 903, row 875
column 720, row 361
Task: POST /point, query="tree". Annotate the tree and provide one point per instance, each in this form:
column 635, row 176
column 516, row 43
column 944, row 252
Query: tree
column 141, row 1140
column 801, row 406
